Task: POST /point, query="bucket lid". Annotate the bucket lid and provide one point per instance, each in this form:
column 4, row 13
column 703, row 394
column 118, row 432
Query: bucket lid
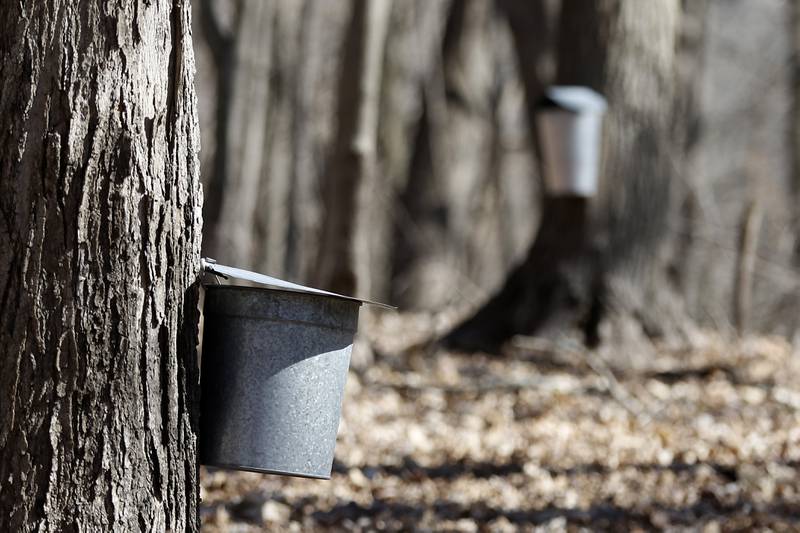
column 574, row 98
column 211, row 265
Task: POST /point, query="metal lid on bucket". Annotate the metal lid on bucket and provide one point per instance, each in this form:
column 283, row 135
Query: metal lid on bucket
column 211, row 266
column 573, row 98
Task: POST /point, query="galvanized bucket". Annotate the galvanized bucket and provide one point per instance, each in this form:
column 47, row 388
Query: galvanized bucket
column 569, row 121
column 274, row 366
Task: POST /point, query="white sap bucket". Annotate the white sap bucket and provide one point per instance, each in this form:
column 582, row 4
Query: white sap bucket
column 569, row 122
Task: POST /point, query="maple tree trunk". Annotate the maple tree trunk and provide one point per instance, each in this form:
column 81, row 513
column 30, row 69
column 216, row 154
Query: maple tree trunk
column 99, row 260
column 600, row 257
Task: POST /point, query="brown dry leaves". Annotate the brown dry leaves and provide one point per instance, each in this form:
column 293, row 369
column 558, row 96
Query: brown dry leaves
column 702, row 439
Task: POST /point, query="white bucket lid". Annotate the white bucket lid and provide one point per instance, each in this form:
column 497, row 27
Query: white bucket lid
column 575, row 98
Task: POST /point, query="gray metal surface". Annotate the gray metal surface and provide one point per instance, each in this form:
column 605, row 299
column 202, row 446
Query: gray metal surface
column 569, row 122
column 274, row 366
column 210, row 265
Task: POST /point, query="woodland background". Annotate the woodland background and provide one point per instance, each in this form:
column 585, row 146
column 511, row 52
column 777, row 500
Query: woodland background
column 684, row 419
column 451, row 199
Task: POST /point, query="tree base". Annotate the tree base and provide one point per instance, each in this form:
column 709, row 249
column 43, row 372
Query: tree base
column 553, row 286
column 568, row 282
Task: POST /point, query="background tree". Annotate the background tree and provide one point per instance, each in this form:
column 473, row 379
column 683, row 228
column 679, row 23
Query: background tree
column 99, row 258
column 467, row 205
column 605, row 254
column 267, row 115
column 353, row 158
column 456, row 200
column 794, row 130
column 304, row 58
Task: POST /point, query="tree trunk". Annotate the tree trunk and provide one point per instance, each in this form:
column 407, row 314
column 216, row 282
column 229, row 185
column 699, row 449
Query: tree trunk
column 411, row 53
column 99, row 258
column 353, row 158
column 467, row 206
column 242, row 57
column 271, row 66
column 592, row 256
column 687, row 132
column 222, row 46
column 794, row 135
column 532, row 32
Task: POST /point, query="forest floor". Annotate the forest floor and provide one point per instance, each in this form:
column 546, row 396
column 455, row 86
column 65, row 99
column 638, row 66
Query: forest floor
column 546, row 438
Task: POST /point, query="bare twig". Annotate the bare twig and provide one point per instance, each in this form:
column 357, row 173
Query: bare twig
column 743, row 288
column 594, row 360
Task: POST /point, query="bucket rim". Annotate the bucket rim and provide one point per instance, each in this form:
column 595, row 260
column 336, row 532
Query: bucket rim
column 212, row 287
column 210, row 265
column 257, row 470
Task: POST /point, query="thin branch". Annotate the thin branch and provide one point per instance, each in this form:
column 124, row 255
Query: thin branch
column 748, row 242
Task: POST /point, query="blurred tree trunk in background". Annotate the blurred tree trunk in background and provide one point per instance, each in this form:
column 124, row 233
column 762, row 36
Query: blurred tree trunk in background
column 637, row 200
column 221, row 43
column 99, row 259
column 532, row 28
column 453, row 198
column 242, row 54
column 411, row 54
column 794, row 141
column 407, row 250
column 468, row 204
column 687, row 132
column 604, row 257
column 268, row 121
column 352, row 163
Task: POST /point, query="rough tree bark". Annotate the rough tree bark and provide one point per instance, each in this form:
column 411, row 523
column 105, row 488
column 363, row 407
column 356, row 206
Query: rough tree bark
column 99, row 256
column 590, row 257
column 353, row 157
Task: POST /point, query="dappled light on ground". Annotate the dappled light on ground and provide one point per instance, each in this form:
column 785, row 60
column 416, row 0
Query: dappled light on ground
column 545, row 437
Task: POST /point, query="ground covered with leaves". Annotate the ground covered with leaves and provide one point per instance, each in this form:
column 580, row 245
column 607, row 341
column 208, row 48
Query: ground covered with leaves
column 547, row 437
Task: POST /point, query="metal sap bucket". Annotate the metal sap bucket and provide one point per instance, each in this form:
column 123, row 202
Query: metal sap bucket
column 274, row 367
column 569, row 122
